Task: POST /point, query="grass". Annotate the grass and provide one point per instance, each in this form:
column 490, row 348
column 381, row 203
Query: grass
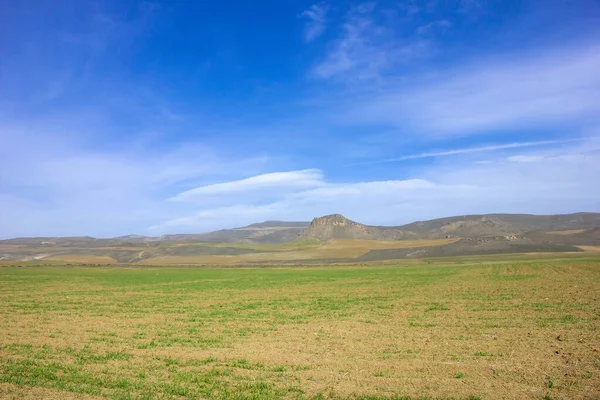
column 422, row 331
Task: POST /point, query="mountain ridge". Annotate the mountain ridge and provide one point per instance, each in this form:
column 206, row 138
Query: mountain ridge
column 337, row 226
column 331, row 238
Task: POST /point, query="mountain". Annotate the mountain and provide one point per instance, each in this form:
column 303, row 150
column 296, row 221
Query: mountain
column 529, row 242
column 264, row 232
column 318, row 241
column 136, row 238
column 336, row 226
column 500, row 224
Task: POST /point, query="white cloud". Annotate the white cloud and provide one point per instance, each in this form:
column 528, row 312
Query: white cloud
column 71, row 167
column 365, row 49
column 561, row 180
column 430, row 27
column 276, row 180
column 362, row 189
column 468, row 150
column 536, row 90
column 316, row 24
column 53, row 185
column 371, row 201
column 524, row 159
column 71, row 190
column 219, row 217
column 95, row 176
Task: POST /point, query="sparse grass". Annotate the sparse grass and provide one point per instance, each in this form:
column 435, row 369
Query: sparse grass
column 426, row 331
column 82, row 258
column 567, row 232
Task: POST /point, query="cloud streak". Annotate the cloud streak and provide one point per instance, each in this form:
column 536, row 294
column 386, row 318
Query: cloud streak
column 58, row 185
column 292, row 179
column 557, row 87
column 469, row 150
column 316, row 24
column 560, row 183
column 431, row 27
column 365, row 49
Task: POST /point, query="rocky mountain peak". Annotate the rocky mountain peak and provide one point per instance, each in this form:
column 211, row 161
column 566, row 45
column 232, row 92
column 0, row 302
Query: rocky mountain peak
column 336, row 226
column 333, row 219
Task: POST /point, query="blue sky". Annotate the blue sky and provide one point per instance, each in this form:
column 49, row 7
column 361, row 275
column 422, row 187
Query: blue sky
column 122, row 117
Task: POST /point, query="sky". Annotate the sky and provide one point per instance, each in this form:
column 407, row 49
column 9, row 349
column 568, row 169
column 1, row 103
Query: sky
column 121, row 117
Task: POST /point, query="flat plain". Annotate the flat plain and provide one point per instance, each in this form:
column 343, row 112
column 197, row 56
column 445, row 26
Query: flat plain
column 510, row 327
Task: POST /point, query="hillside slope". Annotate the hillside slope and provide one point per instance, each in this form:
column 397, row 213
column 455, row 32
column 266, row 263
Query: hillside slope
column 337, row 226
column 264, row 232
column 332, row 238
column 500, row 224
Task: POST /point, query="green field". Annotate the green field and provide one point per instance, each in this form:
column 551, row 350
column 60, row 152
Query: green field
column 517, row 329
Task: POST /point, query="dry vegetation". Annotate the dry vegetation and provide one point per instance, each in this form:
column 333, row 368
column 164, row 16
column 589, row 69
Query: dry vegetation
column 82, row 258
column 518, row 329
column 567, row 232
column 342, row 249
column 179, row 253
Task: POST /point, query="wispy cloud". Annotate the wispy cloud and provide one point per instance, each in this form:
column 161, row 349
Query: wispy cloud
column 364, row 200
column 92, row 144
column 558, row 184
column 295, row 179
column 557, row 87
column 72, row 54
column 365, row 49
column 316, row 21
column 430, row 27
column 57, row 183
column 479, row 149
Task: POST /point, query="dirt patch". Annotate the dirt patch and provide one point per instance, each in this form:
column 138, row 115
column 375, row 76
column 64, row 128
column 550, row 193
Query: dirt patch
column 591, row 249
column 13, row 392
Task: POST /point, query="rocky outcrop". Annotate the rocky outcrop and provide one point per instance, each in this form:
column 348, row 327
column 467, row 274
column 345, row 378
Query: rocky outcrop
column 336, row 226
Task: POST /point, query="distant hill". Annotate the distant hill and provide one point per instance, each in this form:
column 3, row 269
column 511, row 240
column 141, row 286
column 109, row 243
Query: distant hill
column 332, row 238
column 530, row 242
column 500, row 224
column 263, row 232
column 337, row 226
